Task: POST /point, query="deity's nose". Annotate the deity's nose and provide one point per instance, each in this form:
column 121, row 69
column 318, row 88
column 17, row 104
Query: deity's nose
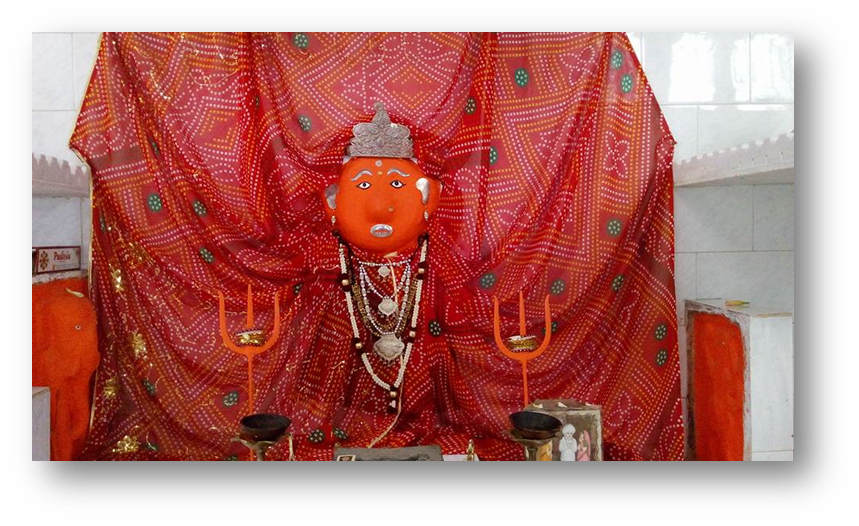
column 382, row 210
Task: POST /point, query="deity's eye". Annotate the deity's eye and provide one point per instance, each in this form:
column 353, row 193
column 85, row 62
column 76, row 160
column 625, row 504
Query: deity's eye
column 364, row 185
column 397, row 184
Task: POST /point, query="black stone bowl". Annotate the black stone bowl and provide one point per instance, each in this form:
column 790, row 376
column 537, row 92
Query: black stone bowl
column 534, row 426
column 263, row 427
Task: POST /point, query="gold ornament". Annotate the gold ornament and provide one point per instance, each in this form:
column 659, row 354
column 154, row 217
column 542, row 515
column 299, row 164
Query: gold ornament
column 135, row 255
column 116, row 278
column 522, row 343
column 138, row 345
column 111, row 388
column 128, row 444
column 252, row 337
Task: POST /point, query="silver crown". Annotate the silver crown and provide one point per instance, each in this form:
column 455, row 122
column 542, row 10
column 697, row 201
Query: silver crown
column 380, row 138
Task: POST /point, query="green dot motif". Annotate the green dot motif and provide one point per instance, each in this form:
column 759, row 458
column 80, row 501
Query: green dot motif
column 230, row 399
column 470, row 105
column 435, row 328
column 626, row 83
column 661, row 357
column 207, row 256
column 493, row 155
column 316, row 436
column 521, row 77
column 297, row 288
column 558, row 287
column 487, row 280
column 340, row 434
column 199, row 208
column 300, row 40
column 554, row 328
column 304, row 122
column 149, row 386
column 101, row 223
column 154, row 202
column 661, row 331
column 613, row 227
column 231, row 458
column 616, row 59
column 617, row 282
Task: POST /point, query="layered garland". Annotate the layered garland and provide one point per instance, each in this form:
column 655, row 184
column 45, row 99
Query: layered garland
column 353, row 293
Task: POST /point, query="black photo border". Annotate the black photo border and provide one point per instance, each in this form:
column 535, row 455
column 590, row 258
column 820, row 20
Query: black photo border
column 496, row 486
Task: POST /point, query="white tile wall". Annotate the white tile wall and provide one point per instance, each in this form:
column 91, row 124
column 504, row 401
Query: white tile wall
column 728, row 238
column 57, row 221
column 53, row 87
column 688, row 68
column 86, row 230
column 772, row 456
column 62, row 63
column 772, row 74
column 723, row 126
column 773, row 206
column 51, row 133
column 684, row 279
column 741, row 85
column 85, row 49
column 683, row 122
column 713, row 219
column 764, row 278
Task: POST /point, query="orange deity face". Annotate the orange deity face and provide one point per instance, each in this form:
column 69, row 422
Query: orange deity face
column 381, row 204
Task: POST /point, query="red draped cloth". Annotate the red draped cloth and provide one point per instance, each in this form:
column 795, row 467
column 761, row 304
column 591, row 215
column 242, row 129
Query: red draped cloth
column 208, row 154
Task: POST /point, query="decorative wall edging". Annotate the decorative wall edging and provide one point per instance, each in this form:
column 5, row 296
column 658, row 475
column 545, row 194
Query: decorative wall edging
column 55, row 178
column 768, row 161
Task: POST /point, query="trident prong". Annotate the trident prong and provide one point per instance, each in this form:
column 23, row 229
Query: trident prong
column 252, row 349
column 522, row 357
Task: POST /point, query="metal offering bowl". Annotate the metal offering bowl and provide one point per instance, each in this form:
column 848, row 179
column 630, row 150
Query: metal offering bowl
column 534, row 426
column 263, row 427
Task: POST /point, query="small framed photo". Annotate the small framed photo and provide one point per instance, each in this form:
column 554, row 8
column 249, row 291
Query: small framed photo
column 580, row 438
column 345, row 458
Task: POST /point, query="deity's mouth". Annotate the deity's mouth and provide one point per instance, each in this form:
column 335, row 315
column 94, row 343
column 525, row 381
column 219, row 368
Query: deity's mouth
column 381, row 230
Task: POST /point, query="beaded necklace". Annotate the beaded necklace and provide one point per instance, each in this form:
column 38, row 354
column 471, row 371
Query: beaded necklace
column 346, row 283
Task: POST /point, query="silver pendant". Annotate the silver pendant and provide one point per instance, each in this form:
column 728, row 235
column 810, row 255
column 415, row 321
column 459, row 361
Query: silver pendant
column 388, row 347
column 388, row 306
column 384, row 271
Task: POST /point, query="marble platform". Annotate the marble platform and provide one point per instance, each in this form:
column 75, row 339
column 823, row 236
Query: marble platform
column 41, row 423
column 767, row 336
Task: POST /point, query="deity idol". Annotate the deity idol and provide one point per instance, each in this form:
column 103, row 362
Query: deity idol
column 380, row 210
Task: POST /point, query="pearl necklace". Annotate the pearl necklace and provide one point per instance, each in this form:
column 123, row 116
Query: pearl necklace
column 345, row 283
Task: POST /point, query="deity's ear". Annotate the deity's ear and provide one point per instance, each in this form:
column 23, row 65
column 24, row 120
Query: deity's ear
column 435, row 187
column 329, row 197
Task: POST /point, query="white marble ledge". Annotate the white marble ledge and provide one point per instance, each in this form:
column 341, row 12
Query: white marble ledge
column 752, row 310
column 767, row 161
column 54, row 276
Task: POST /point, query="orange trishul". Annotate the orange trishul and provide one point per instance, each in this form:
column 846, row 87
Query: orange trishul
column 522, row 357
column 249, row 350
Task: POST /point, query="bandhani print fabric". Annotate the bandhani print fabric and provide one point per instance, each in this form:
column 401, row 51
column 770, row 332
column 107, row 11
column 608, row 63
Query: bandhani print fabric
column 209, row 152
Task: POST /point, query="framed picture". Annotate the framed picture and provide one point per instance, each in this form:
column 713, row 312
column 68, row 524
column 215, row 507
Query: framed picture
column 417, row 453
column 580, row 438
